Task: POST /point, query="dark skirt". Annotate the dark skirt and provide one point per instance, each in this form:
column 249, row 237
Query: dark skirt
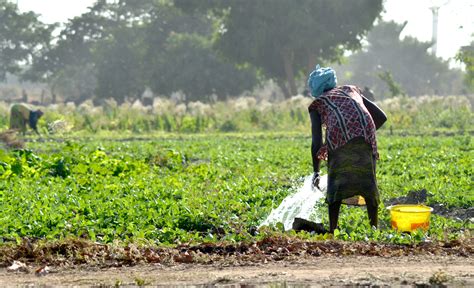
column 351, row 172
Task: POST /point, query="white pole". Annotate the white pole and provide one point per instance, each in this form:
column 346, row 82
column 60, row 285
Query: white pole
column 434, row 36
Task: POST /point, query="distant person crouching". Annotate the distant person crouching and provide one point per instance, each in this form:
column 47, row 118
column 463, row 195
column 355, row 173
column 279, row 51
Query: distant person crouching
column 21, row 114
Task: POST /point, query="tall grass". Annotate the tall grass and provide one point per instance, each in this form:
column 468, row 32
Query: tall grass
column 242, row 114
column 429, row 112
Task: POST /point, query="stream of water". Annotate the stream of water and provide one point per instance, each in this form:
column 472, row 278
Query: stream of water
column 299, row 204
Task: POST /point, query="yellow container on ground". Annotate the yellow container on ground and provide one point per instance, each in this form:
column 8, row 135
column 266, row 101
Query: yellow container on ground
column 410, row 217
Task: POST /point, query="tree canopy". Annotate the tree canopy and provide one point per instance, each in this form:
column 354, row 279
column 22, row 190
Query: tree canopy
column 218, row 48
column 283, row 38
column 22, row 36
column 407, row 60
column 466, row 56
column 131, row 45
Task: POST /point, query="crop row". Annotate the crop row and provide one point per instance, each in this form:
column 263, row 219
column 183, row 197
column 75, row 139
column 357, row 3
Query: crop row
column 207, row 188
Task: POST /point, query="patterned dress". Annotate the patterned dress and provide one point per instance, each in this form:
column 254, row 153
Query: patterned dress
column 350, row 144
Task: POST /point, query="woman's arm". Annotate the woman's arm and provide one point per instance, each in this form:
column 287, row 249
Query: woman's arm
column 317, row 138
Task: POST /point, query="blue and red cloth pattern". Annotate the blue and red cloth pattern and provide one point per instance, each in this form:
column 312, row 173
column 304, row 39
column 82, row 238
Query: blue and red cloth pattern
column 345, row 117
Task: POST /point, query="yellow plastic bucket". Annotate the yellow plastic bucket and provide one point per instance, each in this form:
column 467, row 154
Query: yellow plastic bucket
column 410, row 217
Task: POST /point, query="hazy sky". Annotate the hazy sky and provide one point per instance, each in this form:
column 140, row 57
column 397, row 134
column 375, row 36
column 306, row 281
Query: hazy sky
column 455, row 28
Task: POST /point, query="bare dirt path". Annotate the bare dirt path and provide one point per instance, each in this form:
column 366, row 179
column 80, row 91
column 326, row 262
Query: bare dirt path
column 417, row 271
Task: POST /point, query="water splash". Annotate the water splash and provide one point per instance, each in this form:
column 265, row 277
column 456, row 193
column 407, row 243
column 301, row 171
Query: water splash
column 300, row 204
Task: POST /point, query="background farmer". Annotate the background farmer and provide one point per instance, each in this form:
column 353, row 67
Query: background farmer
column 350, row 147
column 21, row 115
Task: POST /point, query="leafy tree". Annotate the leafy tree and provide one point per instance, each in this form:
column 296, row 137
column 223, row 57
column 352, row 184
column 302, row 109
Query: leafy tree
column 466, row 56
column 394, row 87
column 68, row 66
column 99, row 52
column 119, row 61
column 283, row 37
column 191, row 66
column 129, row 45
column 22, row 37
column 406, row 60
column 179, row 57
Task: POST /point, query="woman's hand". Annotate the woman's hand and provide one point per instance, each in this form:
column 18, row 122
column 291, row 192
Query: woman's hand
column 315, row 180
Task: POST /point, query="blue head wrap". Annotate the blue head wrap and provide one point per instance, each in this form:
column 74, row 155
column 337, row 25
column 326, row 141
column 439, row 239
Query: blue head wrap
column 321, row 79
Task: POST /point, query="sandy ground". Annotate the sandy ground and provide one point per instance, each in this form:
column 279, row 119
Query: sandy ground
column 416, row 271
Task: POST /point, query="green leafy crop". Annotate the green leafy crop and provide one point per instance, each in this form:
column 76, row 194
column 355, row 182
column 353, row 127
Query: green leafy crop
column 201, row 188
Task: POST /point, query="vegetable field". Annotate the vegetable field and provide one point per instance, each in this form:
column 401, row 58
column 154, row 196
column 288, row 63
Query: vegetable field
column 168, row 189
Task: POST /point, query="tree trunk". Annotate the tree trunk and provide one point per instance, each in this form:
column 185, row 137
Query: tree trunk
column 52, row 90
column 290, row 75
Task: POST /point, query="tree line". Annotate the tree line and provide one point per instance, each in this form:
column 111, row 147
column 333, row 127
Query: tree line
column 207, row 49
column 393, row 66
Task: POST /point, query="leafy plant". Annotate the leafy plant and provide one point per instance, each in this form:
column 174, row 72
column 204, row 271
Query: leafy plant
column 200, row 188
